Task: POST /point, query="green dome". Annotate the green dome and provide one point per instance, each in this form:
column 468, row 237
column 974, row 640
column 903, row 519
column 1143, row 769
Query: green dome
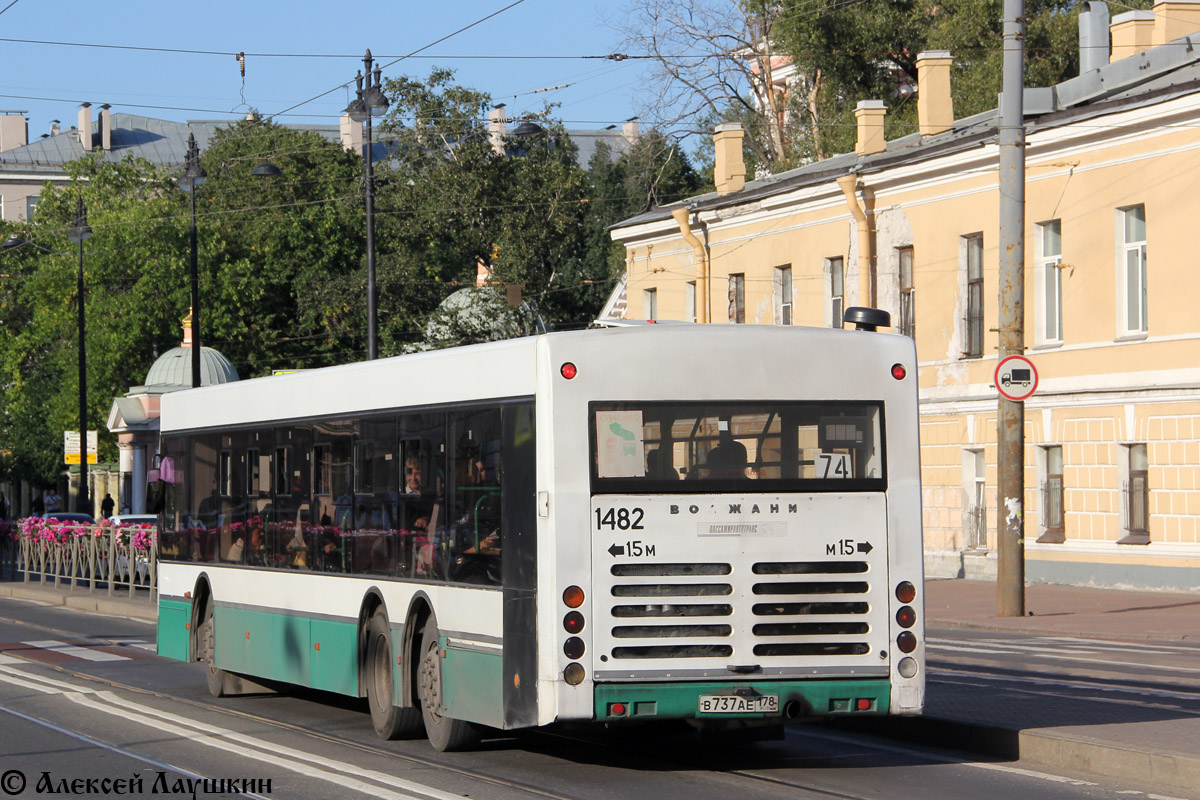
column 174, row 368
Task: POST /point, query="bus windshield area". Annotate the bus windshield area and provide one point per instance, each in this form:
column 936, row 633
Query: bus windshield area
column 774, row 446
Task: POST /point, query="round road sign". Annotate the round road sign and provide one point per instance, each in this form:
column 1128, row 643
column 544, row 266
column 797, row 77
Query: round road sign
column 1016, row 378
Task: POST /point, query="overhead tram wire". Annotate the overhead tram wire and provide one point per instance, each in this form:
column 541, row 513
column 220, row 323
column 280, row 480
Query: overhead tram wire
column 401, row 58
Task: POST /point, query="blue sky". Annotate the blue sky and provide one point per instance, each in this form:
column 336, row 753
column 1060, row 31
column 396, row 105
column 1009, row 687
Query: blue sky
column 49, row 81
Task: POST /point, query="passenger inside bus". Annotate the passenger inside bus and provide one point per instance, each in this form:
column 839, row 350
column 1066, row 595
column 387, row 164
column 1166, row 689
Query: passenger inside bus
column 658, row 466
column 727, row 459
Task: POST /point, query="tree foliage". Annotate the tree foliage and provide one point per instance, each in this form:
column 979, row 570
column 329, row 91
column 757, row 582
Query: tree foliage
column 282, row 260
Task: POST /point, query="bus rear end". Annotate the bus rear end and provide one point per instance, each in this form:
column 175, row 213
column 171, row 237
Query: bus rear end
column 752, row 551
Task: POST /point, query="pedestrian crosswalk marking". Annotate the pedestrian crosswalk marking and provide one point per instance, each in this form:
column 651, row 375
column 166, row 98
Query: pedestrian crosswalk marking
column 86, row 653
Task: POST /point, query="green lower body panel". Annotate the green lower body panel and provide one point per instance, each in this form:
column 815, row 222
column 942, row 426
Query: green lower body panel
column 173, row 632
column 472, row 686
column 318, row 653
column 807, row 698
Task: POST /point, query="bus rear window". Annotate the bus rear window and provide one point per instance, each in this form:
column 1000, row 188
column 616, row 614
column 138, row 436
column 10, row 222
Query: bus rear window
column 640, row 448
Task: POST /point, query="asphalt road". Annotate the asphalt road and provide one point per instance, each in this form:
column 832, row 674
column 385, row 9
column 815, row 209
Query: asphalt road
column 131, row 715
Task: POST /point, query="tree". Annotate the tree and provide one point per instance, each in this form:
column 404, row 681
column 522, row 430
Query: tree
column 654, row 171
column 448, row 202
column 712, row 61
column 844, row 53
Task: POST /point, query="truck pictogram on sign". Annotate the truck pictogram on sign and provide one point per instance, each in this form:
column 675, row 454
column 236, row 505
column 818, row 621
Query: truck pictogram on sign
column 1016, row 378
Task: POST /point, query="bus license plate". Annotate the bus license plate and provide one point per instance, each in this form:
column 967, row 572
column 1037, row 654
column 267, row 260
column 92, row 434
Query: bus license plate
column 736, row 704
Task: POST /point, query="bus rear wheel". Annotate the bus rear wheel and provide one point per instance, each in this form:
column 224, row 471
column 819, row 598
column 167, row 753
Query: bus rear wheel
column 390, row 721
column 445, row 733
column 206, row 637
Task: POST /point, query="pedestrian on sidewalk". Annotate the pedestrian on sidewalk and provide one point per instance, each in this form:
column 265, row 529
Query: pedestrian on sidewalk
column 3, row 506
column 52, row 501
column 39, row 505
column 106, row 506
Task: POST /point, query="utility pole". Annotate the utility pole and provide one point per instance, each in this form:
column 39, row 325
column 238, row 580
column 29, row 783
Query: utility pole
column 1010, row 433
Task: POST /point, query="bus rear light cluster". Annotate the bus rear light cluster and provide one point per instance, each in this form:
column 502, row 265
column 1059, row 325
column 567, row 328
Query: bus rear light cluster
column 899, row 372
column 573, row 647
column 906, row 617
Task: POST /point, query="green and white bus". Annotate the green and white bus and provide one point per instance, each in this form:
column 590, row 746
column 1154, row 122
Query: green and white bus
column 720, row 524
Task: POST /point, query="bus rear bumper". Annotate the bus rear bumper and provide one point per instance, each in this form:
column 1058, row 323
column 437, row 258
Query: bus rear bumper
column 796, row 699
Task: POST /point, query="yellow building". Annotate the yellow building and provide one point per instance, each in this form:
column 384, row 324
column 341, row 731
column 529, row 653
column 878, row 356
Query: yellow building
column 1112, row 318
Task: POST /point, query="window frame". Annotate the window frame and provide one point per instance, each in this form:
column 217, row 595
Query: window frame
column 835, row 268
column 1133, row 247
column 650, row 303
column 737, row 298
column 907, row 325
column 784, row 291
column 1049, row 331
column 973, row 316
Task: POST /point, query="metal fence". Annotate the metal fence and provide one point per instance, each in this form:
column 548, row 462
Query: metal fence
column 78, row 557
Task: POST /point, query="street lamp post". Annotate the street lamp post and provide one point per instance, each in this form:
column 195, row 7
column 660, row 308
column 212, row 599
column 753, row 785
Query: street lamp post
column 79, row 234
column 369, row 102
column 193, row 179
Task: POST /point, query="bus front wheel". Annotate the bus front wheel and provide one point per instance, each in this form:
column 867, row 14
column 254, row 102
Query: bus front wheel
column 445, row 733
column 390, row 721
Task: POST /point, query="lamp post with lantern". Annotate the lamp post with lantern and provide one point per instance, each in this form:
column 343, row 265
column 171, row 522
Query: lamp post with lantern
column 369, row 102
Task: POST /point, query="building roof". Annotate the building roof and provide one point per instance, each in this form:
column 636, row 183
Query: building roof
column 161, row 142
column 173, row 370
column 1151, row 77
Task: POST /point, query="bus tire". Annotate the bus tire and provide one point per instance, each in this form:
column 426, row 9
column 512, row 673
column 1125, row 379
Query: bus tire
column 446, row 734
column 206, row 638
column 390, row 721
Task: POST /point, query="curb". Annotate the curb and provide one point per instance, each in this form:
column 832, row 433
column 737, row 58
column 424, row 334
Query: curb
column 1153, row 768
column 1050, row 747
column 985, row 626
column 141, row 609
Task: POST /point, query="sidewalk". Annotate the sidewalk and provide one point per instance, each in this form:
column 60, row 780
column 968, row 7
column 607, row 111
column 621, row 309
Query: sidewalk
column 120, row 604
column 1143, row 745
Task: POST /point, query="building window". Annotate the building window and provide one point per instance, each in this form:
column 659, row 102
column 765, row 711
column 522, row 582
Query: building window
column 689, row 300
column 31, row 204
column 1134, row 269
column 1048, row 264
column 974, row 317
column 783, row 295
column 975, row 473
column 908, row 320
column 737, row 298
column 650, row 303
column 1137, row 497
column 837, row 292
column 1053, row 516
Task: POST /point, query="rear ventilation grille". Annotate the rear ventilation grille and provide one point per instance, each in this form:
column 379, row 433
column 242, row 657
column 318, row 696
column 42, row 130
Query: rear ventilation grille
column 796, row 610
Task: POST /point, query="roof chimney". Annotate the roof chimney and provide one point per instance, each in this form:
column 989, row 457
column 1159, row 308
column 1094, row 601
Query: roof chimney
column 351, row 134
column 935, row 108
column 869, row 114
column 1093, row 36
column 14, row 130
column 1131, row 33
column 55, row 130
column 730, row 172
column 105, row 128
column 630, row 130
column 497, row 129
column 1174, row 19
column 85, row 127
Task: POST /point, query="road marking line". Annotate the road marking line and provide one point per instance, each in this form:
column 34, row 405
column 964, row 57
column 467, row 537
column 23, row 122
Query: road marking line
column 1060, row 683
column 86, row 653
column 1104, row 662
column 214, row 736
column 1028, row 773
